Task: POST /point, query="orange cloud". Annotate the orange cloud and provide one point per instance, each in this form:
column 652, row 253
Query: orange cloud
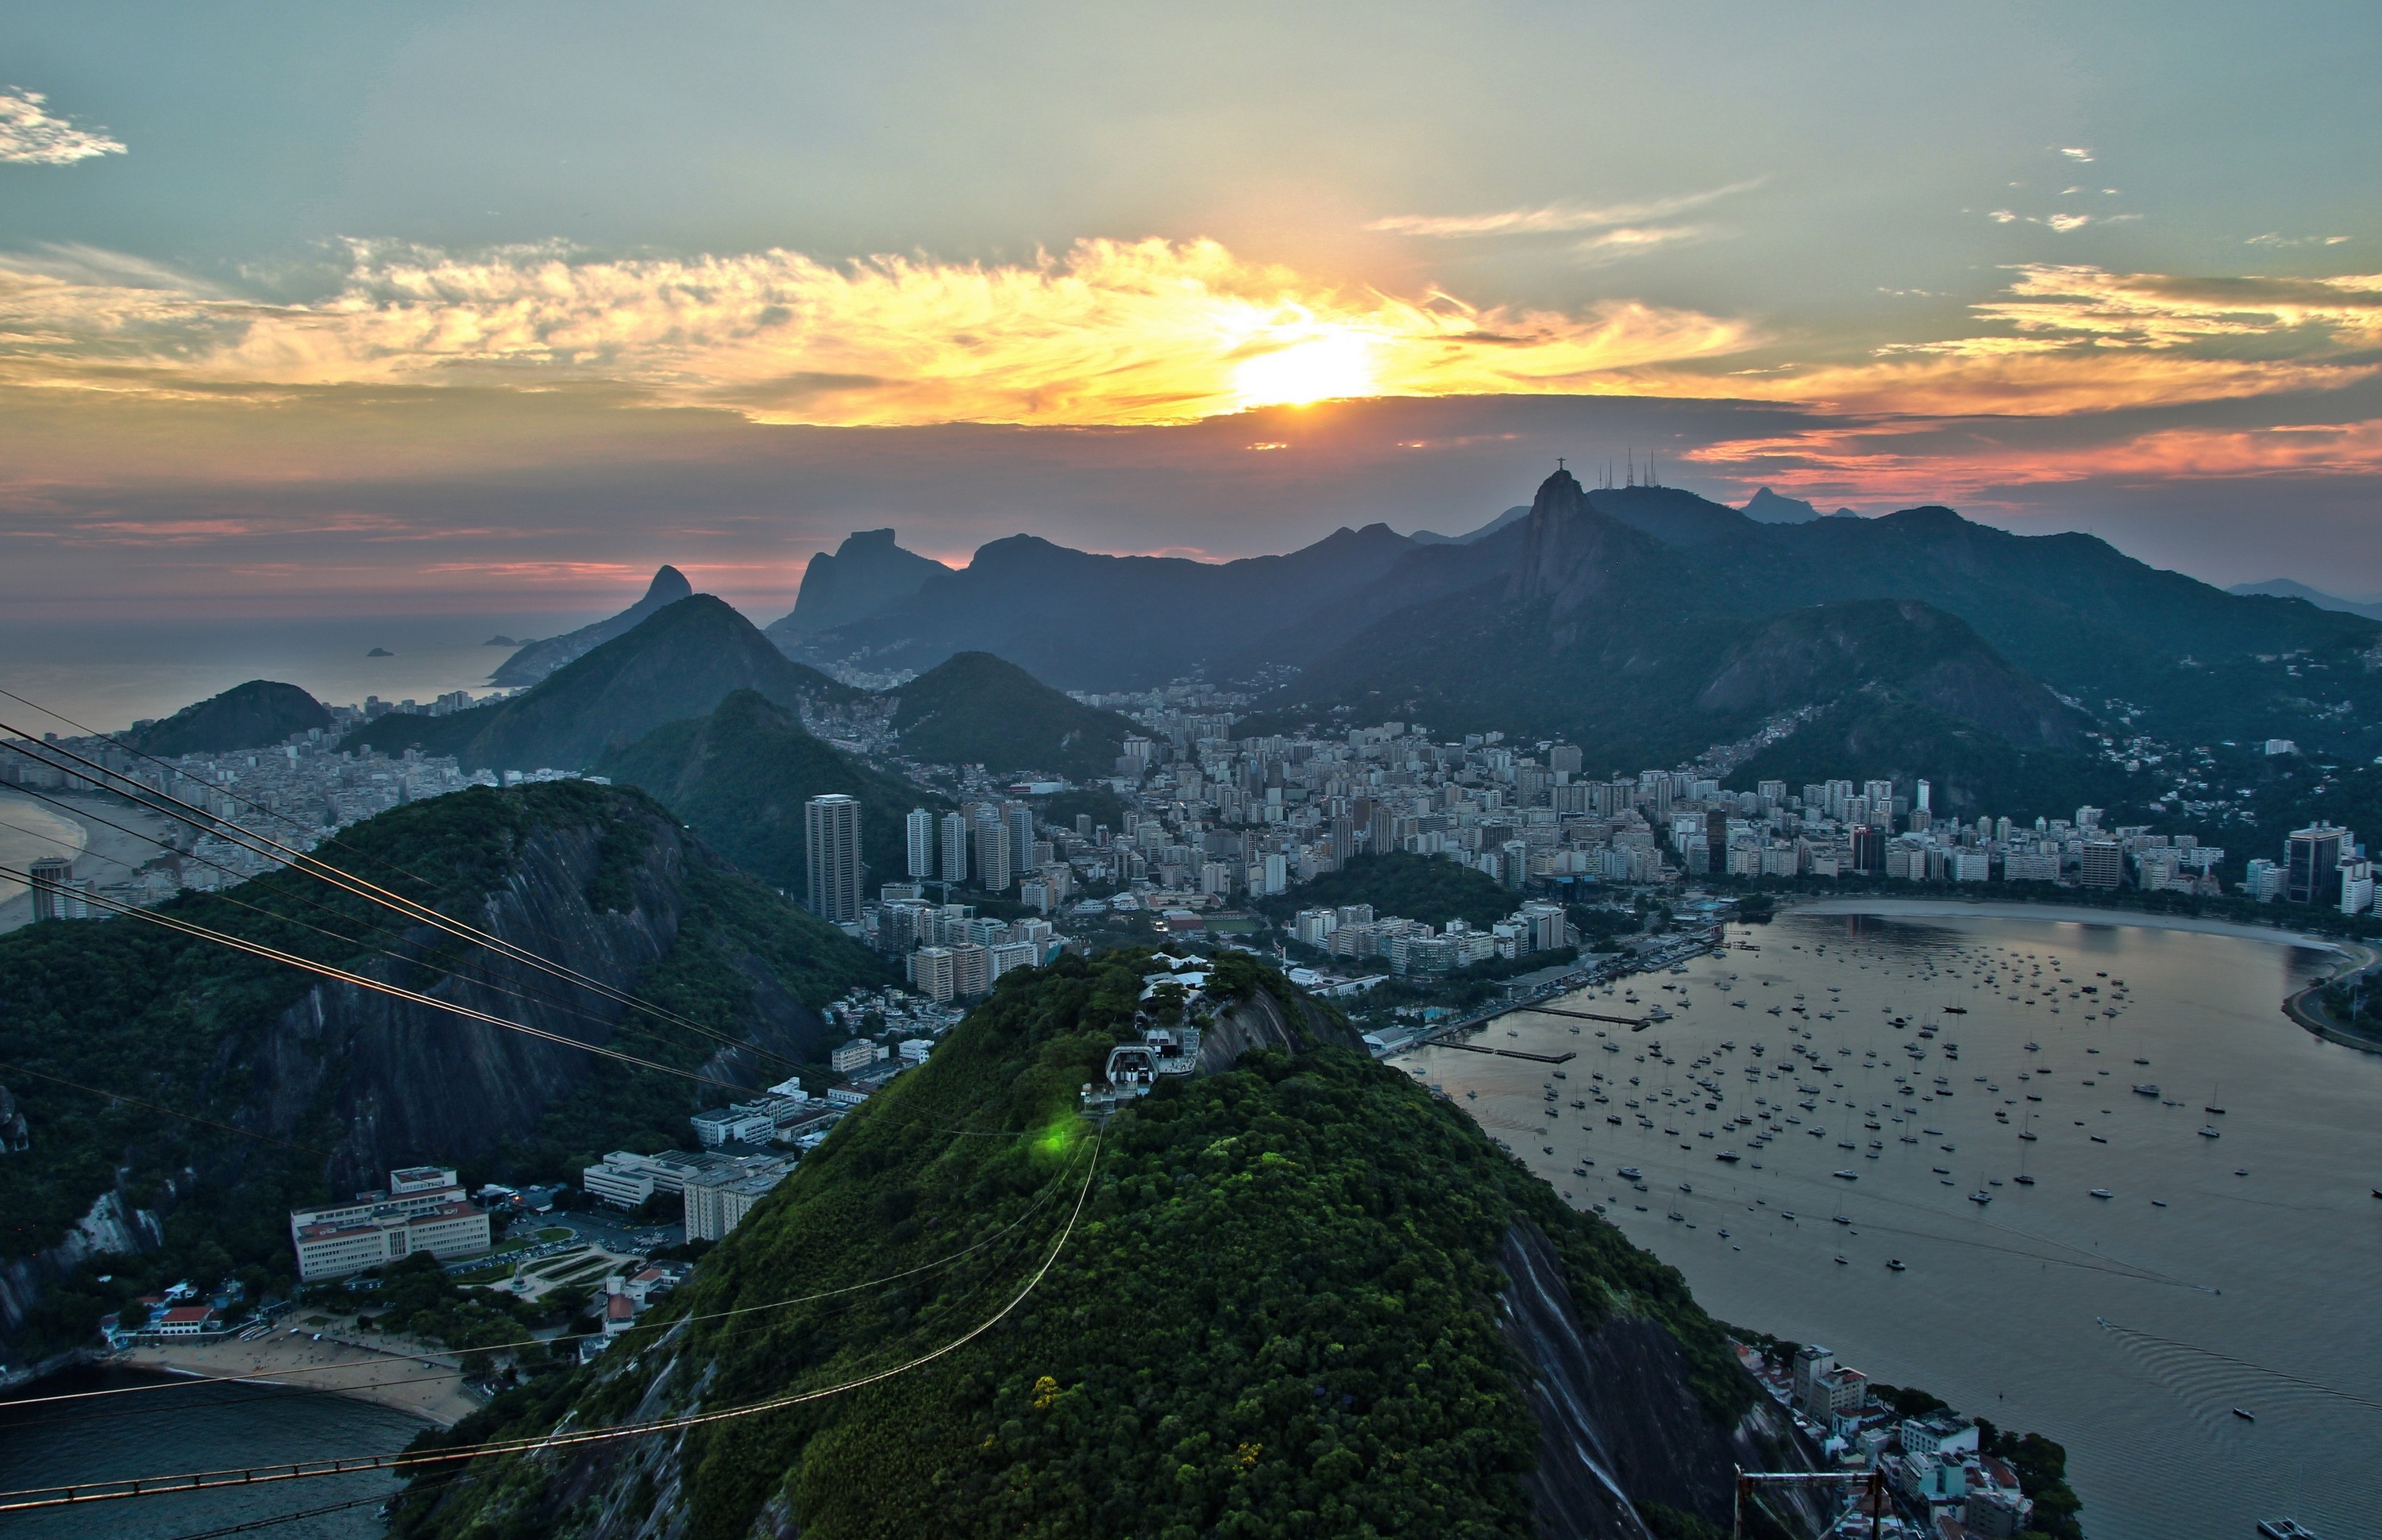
column 1860, row 460
column 1110, row 332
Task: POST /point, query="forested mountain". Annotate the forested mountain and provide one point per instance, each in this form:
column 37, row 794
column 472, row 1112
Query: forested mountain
column 977, row 709
column 536, row 660
column 1610, row 614
column 741, row 776
column 1646, row 624
column 250, row 716
column 1300, row 1296
column 684, row 659
column 313, row 1088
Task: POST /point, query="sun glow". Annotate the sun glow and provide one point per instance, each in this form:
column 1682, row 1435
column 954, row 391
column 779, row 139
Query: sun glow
column 1107, row 332
column 1329, row 363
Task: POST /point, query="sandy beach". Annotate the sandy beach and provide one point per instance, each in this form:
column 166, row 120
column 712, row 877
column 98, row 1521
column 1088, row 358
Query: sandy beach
column 101, row 853
column 397, row 1381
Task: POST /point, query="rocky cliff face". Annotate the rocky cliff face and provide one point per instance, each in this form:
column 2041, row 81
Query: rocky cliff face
column 113, row 1228
column 335, row 1084
column 1263, row 1022
column 1618, row 1425
column 409, row 1083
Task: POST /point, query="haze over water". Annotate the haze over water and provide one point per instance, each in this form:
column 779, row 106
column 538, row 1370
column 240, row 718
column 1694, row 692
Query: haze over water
column 109, row 674
column 2254, row 1292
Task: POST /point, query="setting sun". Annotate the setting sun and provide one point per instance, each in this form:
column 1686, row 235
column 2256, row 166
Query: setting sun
column 1329, row 365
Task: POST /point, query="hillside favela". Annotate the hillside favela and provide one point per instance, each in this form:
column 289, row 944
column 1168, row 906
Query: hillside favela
column 1588, row 773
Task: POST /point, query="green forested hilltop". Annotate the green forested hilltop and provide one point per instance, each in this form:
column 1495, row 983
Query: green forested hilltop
column 597, row 876
column 1276, row 1315
column 1410, row 887
column 975, row 708
column 740, row 776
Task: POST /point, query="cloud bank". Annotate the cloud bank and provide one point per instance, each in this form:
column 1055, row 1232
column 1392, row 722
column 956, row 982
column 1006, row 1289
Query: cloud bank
column 1108, row 333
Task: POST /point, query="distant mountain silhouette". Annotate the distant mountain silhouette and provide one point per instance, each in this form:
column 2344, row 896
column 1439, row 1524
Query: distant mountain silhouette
column 685, row 658
column 251, row 716
column 1766, row 506
column 1083, row 621
column 1512, row 515
column 867, row 572
column 1644, row 623
column 2286, row 588
column 538, row 659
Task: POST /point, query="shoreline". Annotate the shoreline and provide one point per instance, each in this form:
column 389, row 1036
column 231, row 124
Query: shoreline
column 396, row 1381
column 2052, row 913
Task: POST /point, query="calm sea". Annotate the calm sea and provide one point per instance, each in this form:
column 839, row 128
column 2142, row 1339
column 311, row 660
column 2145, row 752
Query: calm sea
column 2233, row 1272
column 197, row 1426
column 111, row 674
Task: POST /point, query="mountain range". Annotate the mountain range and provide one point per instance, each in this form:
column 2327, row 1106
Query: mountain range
column 1635, row 621
column 678, row 662
column 2287, row 588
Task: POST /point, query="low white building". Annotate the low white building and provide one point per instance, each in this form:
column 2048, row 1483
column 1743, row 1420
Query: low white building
column 424, row 1210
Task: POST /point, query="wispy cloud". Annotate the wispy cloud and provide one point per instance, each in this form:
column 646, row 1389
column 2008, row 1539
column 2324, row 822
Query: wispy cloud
column 2274, row 238
column 2076, row 339
column 1553, row 218
column 1109, row 332
column 29, row 136
column 2077, row 152
column 1907, row 458
column 1632, row 241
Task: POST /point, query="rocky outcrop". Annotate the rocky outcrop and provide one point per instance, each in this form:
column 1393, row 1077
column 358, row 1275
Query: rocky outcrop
column 112, row 1227
column 868, row 572
column 409, row 1083
column 1619, row 1425
column 1263, row 1022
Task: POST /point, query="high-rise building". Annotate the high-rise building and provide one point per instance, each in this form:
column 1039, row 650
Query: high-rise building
column 2311, row 864
column 992, row 854
column 971, row 971
column 955, row 848
column 831, row 857
column 1564, row 759
column 2101, row 863
column 921, row 825
column 1020, row 819
column 52, row 889
column 930, row 973
column 1869, row 850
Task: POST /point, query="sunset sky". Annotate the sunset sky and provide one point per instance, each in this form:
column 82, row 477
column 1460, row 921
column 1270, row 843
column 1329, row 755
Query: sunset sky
column 319, row 309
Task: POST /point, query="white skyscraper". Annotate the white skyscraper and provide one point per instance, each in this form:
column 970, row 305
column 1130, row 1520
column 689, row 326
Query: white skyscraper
column 922, row 843
column 832, row 854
